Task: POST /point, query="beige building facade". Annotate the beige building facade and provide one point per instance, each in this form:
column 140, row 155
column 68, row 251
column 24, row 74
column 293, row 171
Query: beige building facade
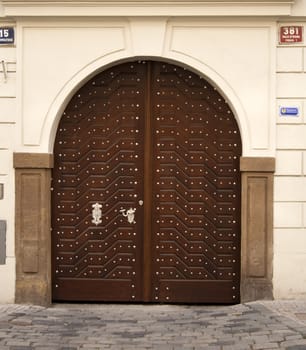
column 233, row 45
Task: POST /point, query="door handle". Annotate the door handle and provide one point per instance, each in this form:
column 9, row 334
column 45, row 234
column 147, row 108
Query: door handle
column 96, row 214
column 130, row 214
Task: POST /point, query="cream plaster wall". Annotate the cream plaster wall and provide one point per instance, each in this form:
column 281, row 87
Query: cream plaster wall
column 8, row 118
column 55, row 57
column 54, row 64
column 299, row 8
column 290, row 180
column 242, row 58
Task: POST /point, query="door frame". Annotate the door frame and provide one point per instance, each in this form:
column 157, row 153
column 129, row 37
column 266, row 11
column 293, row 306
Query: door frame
column 33, row 226
column 153, row 274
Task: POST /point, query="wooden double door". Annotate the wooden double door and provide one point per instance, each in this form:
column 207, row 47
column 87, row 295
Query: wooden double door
column 146, row 190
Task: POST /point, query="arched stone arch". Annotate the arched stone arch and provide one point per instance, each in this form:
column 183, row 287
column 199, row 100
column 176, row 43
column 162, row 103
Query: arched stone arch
column 56, row 109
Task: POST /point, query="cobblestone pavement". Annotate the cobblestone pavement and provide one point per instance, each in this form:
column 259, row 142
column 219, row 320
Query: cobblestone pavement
column 256, row 325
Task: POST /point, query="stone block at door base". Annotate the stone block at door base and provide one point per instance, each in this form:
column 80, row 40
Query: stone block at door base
column 32, row 290
column 256, row 290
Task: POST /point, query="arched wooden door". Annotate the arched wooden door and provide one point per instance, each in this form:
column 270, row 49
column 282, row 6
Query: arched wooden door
column 146, row 190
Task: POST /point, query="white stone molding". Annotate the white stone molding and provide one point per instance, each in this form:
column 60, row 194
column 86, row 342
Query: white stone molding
column 18, row 8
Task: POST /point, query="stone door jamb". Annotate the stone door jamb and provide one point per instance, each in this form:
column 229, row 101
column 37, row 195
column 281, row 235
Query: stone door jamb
column 33, row 227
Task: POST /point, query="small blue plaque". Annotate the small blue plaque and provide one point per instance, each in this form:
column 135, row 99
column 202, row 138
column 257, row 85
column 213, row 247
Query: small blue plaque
column 289, row 111
column 7, row 35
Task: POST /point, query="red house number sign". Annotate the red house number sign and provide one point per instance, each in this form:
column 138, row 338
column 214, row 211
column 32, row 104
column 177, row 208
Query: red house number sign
column 290, row 34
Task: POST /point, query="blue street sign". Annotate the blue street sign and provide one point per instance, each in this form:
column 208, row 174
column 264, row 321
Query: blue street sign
column 289, row 111
column 7, row 35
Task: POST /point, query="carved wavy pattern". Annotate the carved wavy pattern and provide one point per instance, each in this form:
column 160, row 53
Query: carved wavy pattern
column 98, row 160
column 196, row 178
column 100, row 154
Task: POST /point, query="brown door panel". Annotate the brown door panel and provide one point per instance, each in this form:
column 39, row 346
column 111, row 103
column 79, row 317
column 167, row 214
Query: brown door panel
column 158, row 139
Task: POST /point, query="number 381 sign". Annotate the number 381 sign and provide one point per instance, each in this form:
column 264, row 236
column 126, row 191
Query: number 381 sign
column 290, row 34
column 7, row 35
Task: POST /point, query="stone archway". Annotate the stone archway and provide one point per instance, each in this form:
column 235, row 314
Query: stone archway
column 33, row 247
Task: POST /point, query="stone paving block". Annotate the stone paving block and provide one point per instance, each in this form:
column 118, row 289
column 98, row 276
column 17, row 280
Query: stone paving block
column 265, row 346
column 284, row 332
column 223, row 343
column 169, row 327
column 259, row 338
column 291, row 343
column 95, row 346
column 183, row 347
column 44, row 347
column 236, row 347
column 276, row 338
column 18, row 343
column 293, row 337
